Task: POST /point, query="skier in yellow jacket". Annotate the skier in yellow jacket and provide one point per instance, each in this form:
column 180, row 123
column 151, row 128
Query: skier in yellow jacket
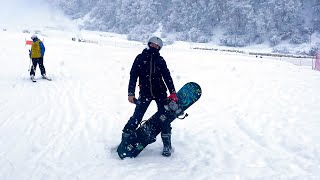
column 36, row 55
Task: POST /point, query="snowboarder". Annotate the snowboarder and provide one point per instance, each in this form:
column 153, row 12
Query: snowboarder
column 36, row 54
column 154, row 81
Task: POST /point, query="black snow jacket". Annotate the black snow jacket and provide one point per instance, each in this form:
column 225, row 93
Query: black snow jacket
column 152, row 71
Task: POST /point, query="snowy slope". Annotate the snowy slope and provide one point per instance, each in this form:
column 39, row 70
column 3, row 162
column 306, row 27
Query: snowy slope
column 257, row 118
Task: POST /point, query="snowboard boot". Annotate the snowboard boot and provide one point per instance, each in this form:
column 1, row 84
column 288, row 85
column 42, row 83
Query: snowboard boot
column 167, row 148
column 126, row 136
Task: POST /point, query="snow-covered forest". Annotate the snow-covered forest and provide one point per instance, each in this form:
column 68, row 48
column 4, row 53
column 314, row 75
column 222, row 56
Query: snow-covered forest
column 236, row 22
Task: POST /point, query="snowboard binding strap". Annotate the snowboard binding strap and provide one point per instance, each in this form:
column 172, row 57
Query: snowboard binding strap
column 185, row 115
column 175, row 109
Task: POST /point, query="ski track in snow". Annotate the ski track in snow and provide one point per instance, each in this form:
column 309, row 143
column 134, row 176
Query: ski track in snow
column 256, row 119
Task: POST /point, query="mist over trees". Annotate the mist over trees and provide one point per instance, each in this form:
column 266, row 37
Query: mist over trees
column 235, row 22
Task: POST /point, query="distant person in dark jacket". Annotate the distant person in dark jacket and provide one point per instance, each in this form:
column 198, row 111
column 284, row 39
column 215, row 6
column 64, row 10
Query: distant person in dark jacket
column 36, row 55
column 154, row 81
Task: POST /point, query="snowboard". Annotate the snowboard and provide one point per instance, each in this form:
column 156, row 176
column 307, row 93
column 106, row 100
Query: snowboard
column 146, row 133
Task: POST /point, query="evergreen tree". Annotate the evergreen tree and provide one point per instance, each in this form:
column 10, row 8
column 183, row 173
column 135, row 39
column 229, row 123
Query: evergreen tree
column 316, row 15
column 242, row 21
column 237, row 22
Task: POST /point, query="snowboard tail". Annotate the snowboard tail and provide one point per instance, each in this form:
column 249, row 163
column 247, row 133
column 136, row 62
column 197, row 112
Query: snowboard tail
column 147, row 132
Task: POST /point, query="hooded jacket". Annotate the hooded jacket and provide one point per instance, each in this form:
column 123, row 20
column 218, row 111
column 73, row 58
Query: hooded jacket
column 153, row 73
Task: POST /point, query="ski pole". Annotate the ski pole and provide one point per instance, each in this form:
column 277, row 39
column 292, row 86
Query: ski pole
column 29, row 66
column 30, row 61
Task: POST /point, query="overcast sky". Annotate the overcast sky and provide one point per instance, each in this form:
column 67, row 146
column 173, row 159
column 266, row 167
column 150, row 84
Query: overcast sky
column 23, row 14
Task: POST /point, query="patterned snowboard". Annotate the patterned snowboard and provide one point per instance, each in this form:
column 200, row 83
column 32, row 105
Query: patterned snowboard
column 147, row 132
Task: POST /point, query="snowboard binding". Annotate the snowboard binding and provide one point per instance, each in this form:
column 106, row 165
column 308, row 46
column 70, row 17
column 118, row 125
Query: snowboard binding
column 175, row 109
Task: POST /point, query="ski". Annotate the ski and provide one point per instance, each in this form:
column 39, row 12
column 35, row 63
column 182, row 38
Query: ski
column 34, row 80
column 49, row 79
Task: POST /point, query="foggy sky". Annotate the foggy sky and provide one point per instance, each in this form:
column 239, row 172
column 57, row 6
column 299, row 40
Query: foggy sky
column 26, row 14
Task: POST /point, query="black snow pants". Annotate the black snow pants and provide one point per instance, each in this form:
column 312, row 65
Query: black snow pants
column 139, row 112
column 35, row 62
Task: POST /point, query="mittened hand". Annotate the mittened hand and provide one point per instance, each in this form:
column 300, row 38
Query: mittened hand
column 173, row 97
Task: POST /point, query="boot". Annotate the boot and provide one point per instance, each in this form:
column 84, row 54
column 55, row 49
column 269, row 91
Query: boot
column 44, row 76
column 127, row 135
column 167, row 148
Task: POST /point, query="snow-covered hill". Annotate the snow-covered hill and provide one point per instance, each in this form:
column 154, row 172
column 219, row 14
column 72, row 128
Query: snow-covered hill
column 257, row 118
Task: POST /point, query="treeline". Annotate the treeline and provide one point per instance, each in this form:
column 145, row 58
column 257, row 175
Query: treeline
column 233, row 22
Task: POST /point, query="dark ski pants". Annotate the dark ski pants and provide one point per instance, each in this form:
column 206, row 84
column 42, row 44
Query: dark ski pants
column 139, row 112
column 35, row 62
